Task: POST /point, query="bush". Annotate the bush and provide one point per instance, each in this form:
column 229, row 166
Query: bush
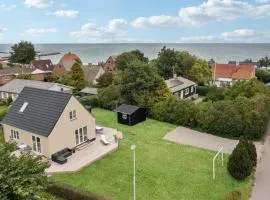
column 251, row 148
column 9, row 101
column 215, row 94
column 109, row 97
column 234, row 195
column 90, row 101
column 240, row 163
column 3, row 112
column 203, row 90
column 176, row 111
column 70, row 193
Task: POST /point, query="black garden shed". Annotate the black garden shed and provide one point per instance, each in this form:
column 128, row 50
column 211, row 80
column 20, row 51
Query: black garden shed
column 130, row 115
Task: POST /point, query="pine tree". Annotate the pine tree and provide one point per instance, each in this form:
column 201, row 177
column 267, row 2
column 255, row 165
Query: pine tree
column 76, row 76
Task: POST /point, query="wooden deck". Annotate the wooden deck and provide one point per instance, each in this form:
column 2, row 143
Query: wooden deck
column 87, row 154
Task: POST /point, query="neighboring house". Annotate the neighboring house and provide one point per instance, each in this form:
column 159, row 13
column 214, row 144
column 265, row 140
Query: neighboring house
column 48, row 121
column 92, row 73
column 89, row 91
column 130, row 115
column 110, row 63
column 9, row 73
column 44, row 65
column 182, row 87
column 14, row 88
column 67, row 61
column 227, row 74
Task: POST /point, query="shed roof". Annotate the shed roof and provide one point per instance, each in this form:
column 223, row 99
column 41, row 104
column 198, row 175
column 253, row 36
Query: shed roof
column 127, row 109
column 89, row 90
column 44, row 65
column 42, row 111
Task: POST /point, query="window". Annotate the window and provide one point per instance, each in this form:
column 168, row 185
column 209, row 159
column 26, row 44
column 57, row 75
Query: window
column 187, row 91
column 72, row 115
column 25, row 104
column 36, row 144
column 192, row 89
column 124, row 116
column 15, row 135
column 81, row 135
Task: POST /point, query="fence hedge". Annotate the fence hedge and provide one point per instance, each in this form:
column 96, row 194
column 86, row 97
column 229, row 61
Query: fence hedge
column 71, row 193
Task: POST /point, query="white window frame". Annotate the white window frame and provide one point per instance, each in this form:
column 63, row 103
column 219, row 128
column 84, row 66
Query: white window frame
column 124, row 116
column 15, row 135
column 186, row 91
column 72, row 115
column 81, row 135
column 36, row 144
column 192, row 89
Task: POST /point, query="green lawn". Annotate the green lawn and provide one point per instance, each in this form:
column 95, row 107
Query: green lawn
column 165, row 170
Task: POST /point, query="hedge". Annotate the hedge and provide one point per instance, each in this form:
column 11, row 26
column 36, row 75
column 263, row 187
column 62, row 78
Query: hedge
column 203, row 90
column 70, row 193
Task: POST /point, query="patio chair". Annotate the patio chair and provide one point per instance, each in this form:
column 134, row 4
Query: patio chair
column 104, row 140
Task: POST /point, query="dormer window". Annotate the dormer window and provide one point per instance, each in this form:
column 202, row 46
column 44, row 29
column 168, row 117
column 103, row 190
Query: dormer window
column 72, row 115
column 25, row 104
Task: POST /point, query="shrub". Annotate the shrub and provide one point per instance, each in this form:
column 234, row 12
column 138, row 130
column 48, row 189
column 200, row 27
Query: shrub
column 202, row 90
column 215, row 94
column 251, row 148
column 90, row 101
column 240, row 163
column 70, row 193
column 9, row 101
column 234, row 195
column 109, row 97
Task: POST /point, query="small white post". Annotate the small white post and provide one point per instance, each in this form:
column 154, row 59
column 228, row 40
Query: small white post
column 133, row 147
column 214, row 159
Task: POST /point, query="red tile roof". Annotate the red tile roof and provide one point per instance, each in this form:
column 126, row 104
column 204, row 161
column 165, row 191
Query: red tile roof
column 70, row 56
column 233, row 71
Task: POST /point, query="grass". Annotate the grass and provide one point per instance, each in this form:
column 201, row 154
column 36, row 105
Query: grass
column 165, row 170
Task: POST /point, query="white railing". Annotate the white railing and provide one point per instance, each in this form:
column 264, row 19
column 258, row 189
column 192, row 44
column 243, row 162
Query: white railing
column 214, row 159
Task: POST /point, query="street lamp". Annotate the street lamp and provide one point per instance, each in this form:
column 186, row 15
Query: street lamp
column 133, row 147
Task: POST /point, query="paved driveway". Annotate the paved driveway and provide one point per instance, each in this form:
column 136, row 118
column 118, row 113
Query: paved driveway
column 261, row 189
column 191, row 137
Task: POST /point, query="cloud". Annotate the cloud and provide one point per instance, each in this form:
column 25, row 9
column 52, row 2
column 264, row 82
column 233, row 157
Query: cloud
column 210, row 10
column 238, row 35
column 113, row 30
column 66, row 13
column 7, row 7
column 154, row 21
column 2, row 30
column 37, row 3
column 241, row 33
column 38, row 32
column 263, row 1
column 198, row 39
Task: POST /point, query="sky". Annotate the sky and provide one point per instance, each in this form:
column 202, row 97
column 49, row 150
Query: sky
column 136, row 21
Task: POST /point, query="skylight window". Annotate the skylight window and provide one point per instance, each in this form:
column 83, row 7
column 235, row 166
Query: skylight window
column 25, row 104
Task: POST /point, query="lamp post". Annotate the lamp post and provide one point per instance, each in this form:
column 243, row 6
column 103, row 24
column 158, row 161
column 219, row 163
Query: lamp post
column 133, row 147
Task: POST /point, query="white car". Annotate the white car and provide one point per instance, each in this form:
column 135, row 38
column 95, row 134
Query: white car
column 99, row 128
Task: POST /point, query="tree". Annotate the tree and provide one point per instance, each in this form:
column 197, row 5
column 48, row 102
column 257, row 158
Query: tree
column 263, row 76
column 124, row 59
column 1, row 66
column 141, row 85
column 215, row 94
column 109, row 97
column 22, row 53
column 166, row 63
column 248, row 88
column 26, row 76
column 76, row 76
column 201, row 72
column 185, row 62
column 105, row 79
column 21, row 178
column 240, row 164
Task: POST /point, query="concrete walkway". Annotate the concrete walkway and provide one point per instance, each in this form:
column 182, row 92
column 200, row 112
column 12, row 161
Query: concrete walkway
column 261, row 189
column 191, row 137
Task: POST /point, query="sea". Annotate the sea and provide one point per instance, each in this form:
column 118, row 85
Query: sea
column 94, row 53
